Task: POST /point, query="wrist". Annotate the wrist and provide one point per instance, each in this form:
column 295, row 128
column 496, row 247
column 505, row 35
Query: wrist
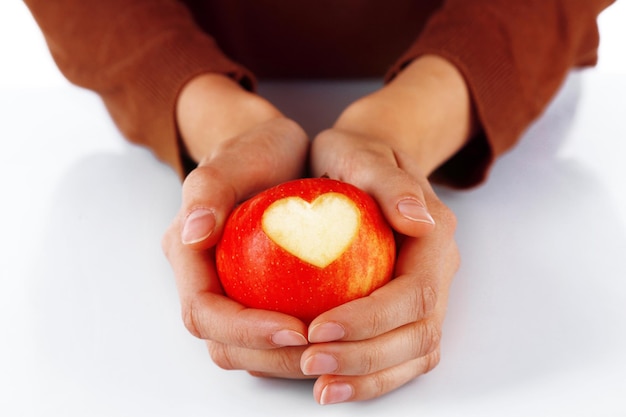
column 212, row 108
column 425, row 112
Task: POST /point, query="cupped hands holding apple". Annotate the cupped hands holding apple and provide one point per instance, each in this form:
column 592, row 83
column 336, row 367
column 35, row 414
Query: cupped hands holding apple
column 384, row 144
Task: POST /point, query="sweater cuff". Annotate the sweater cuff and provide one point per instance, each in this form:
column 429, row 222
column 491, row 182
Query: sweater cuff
column 508, row 85
column 145, row 109
column 495, row 91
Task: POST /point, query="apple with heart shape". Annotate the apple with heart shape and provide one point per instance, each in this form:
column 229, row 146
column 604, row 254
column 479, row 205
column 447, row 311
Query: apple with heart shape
column 304, row 247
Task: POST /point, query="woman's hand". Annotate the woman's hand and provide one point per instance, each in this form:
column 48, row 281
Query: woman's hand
column 242, row 145
column 368, row 347
column 387, row 144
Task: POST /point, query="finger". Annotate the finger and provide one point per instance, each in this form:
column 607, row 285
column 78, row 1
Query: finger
column 366, row 357
column 208, row 314
column 265, row 156
column 374, row 167
column 405, row 299
column 399, row 302
column 424, row 268
column 399, row 195
column 332, row 389
column 280, row 363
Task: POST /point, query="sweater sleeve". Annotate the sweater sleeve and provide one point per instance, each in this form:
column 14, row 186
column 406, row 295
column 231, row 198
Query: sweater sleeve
column 514, row 56
column 137, row 55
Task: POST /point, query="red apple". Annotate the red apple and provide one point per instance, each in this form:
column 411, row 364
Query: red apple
column 304, row 247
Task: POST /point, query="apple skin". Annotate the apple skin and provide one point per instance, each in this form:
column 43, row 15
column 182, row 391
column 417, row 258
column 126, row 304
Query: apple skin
column 259, row 273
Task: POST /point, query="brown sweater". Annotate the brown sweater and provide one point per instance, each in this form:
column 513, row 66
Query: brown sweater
column 137, row 54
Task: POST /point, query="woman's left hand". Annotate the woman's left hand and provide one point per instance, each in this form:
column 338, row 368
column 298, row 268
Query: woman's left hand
column 373, row 345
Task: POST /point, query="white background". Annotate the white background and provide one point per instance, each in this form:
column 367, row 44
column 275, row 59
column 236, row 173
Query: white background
column 89, row 316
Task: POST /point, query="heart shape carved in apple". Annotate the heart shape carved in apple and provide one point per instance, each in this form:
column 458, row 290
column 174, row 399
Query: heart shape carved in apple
column 316, row 232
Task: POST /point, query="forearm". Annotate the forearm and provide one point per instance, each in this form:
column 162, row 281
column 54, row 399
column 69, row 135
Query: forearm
column 212, row 108
column 514, row 56
column 425, row 112
column 137, row 55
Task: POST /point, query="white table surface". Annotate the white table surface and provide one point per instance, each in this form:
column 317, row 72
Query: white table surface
column 89, row 316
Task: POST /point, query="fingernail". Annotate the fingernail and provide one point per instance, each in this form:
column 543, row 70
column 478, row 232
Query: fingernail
column 326, row 332
column 288, row 338
column 320, row 364
column 198, row 226
column 336, row 393
column 414, row 210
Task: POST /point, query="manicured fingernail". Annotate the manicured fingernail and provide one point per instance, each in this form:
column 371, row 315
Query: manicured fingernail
column 320, row 364
column 326, row 332
column 288, row 338
column 199, row 225
column 336, row 393
column 414, row 210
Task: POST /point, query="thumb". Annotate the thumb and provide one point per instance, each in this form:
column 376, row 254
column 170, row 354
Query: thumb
column 402, row 201
column 396, row 183
column 238, row 169
column 207, row 200
column 399, row 188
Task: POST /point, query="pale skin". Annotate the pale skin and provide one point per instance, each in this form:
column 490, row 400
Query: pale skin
column 386, row 143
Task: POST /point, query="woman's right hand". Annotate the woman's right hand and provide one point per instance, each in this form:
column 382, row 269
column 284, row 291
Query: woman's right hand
column 243, row 145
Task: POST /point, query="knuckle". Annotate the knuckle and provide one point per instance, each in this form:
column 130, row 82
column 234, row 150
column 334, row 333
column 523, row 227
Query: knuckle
column 360, row 164
column 381, row 383
column 372, row 360
column 212, row 185
column 194, row 180
column 355, row 166
column 378, row 319
column 242, row 336
column 205, row 177
column 202, row 325
column 424, row 301
column 432, row 360
column 286, row 363
column 427, row 339
column 190, row 320
column 221, row 355
column 431, row 338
